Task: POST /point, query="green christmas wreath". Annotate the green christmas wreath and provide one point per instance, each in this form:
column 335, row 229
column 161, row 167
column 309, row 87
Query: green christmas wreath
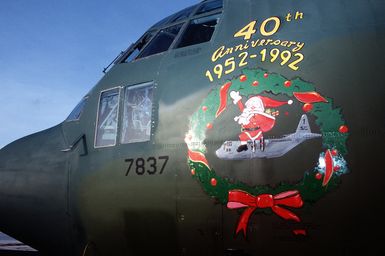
column 316, row 182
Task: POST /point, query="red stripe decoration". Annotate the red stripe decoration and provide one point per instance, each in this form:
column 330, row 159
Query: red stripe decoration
column 223, row 98
column 199, row 157
column 329, row 167
column 309, row 97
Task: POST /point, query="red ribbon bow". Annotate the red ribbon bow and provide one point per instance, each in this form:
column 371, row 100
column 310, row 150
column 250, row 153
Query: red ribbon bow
column 239, row 199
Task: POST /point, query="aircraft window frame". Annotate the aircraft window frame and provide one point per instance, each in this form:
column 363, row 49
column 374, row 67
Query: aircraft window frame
column 182, row 42
column 179, row 16
column 157, row 36
column 206, row 8
column 171, row 21
column 132, row 55
column 184, row 14
column 77, row 112
column 113, row 92
column 127, row 134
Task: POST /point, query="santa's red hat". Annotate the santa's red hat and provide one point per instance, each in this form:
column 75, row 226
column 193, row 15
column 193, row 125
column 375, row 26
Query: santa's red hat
column 257, row 104
column 270, row 103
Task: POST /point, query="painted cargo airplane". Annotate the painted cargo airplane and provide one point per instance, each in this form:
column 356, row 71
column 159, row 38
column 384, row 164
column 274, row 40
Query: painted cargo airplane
column 268, row 148
column 133, row 169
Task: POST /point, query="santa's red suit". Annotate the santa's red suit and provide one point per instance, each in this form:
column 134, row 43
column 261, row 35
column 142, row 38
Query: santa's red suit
column 253, row 119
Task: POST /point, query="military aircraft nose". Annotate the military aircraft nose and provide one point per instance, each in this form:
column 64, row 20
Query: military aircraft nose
column 33, row 189
column 12, row 190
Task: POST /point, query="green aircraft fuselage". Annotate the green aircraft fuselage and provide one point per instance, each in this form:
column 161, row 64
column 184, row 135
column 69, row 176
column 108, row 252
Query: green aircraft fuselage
column 134, row 169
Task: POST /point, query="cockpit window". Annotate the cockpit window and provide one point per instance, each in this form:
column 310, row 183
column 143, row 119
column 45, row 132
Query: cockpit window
column 209, row 6
column 199, row 31
column 78, row 110
column 185, row 13
column 107, row 119
column 137, row 113
column 134, row 52
column 161, row 41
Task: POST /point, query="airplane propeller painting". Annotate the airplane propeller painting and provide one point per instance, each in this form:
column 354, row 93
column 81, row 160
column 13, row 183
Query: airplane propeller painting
column 268, row 148
column 188, row 143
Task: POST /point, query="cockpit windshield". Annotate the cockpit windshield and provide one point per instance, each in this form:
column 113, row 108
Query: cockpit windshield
column 78, row 110
column 185, row 13
column 134, row 52
column 199, row 31
column 209, row 6
column 193, row 25
column 161, row 41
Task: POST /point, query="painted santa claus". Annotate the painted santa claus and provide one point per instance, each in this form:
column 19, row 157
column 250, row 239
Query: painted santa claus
column 253, row 119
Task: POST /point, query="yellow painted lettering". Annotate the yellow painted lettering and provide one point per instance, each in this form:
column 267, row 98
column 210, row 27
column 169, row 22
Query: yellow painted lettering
column 218, row 54
column 298, row 47
column 247, row 31
column 277, row 24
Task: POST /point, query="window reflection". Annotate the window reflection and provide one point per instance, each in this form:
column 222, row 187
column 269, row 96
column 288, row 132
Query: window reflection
column 161, row 41
column 199, row 31
column 209, row 6
column 137, row 114
column 138, row 47
column 107, row 122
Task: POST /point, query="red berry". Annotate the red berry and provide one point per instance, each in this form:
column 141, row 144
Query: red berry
column 266, row 75
column 209, row 126
column 213, row 182
column 204, row 108
column 307, row 107
column 243, row 78
column 255, row 83
column 343, row 129
column 337, row 168
column 287, row 83
column 318, row 176
column 192, row 172
column 334, row 152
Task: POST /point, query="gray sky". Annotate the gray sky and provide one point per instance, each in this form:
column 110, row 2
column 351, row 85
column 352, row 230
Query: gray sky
column 52, row 52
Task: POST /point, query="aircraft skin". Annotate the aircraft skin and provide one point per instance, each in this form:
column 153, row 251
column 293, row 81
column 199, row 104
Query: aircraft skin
column 63, row 194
